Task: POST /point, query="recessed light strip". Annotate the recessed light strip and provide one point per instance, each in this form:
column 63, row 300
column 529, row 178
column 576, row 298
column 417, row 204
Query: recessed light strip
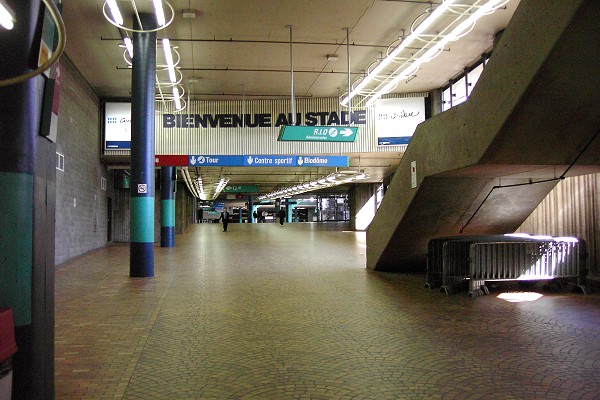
column 334, row 179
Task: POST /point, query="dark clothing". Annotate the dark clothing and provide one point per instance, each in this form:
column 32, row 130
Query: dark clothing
column 281, row 215
column 225, row 218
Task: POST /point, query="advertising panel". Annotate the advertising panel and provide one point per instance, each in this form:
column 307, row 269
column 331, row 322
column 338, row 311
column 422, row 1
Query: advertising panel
column 117, row 125
column 397, row 119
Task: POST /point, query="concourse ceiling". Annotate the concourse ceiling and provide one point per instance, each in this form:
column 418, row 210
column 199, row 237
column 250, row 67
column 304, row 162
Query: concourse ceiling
column 235, row 48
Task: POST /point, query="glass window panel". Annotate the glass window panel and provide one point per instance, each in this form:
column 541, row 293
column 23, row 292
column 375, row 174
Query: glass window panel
column 459, row 92
column 446, row 104
column 473, row 77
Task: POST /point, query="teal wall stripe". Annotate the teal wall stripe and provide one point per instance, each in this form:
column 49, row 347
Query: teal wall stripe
column 142, row 219
column 167, row 209
column 16, row 226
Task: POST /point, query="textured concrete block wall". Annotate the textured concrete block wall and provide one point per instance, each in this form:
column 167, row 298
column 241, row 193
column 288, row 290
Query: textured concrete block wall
column 81, row 203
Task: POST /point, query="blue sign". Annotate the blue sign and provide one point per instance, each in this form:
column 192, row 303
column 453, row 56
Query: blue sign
column 267, row 161
column 215, row 161
column 322, row 161
column 383, row 141
column 118, row 144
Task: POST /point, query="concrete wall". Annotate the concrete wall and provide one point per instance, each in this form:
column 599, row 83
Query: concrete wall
column 571, row 209
column 184, row 213
column 527, row 120
column 81, row 203
column 358, row 196
column 184, row 209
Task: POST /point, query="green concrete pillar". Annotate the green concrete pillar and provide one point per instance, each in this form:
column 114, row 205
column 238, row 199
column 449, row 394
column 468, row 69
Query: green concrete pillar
column 143, row 77
column 28, row 193
column 167, row 206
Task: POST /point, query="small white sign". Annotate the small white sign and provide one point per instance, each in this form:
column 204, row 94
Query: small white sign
column 413, row 174
column 142, row 188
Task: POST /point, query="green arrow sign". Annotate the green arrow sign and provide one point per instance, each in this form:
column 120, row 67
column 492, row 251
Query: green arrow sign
column 241, row 189
column 317, row 133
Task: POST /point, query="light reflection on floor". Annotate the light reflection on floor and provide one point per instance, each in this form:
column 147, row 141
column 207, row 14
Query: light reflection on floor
column 517, row 297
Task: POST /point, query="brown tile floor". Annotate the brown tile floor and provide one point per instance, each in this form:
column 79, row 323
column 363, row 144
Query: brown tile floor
column 271, row 312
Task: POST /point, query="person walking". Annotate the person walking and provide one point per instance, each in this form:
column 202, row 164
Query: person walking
column 281, row 215
column 225, row 218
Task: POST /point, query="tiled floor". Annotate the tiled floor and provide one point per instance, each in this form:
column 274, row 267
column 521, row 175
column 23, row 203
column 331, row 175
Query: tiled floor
column 270, row 312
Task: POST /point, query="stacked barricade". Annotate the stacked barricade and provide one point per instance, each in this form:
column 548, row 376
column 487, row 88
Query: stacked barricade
column 456, row 261
column 437, row 254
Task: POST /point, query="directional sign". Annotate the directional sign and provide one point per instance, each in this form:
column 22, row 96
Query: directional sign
column 254, row 160
column 215, row 161
column 269, row 161
column 241, row 189
column 317, row 133
column 322, row 161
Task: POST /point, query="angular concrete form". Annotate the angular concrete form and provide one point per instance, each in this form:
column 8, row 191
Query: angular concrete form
column 533, row 116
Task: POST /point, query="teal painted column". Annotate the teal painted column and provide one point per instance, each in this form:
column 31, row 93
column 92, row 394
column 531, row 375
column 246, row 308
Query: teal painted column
column 251, row 209
column 290, row 212
column 28, row 193
column 143, row 76
column 167, row 206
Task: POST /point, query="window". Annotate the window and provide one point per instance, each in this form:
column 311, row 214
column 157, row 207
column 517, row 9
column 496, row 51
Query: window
column 60, row 162
column 473, row 77
column 446, row 99
column 459, row 91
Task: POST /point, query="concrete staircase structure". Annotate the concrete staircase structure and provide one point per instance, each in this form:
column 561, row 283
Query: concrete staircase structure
column 534, row 116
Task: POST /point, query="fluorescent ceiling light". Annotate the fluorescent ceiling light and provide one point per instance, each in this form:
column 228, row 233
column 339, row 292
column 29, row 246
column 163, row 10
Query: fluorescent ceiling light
column 128, row 45
column 160, row 13
column 333, row 179
column 6, row 17
column 401, row 46
column 176, row 98
column 462, row 29
column 114, row 10
column 169, row 59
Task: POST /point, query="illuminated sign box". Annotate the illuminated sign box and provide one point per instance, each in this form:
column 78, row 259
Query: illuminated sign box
column 317, row 133
column 117, row 126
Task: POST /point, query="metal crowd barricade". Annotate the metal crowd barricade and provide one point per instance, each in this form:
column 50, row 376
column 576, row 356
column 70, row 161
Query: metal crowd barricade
column 525, row 260
column 435, row 256
column 457, row 263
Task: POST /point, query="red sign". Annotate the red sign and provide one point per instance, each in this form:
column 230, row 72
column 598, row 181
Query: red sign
column 171, row 160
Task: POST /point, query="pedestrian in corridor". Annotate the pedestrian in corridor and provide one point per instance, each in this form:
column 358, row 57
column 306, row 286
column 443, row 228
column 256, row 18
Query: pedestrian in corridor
column 225, row 218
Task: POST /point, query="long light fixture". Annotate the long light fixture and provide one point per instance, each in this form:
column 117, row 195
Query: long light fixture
column 333, row 179
column 208, row 188
column 405, row 71
column 433, row 46
column 401, row 46
column 7, row 20
column 114, row 10
column 177, row 97
column 160, row 12
column 169, row 59
column 129, row 46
